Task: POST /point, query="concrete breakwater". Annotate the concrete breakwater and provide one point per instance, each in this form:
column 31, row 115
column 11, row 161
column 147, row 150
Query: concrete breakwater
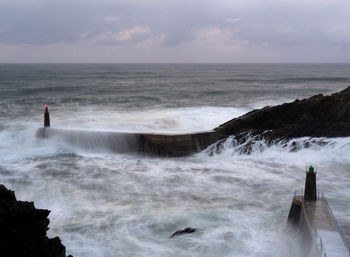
column 319, row 233
column 171, row 145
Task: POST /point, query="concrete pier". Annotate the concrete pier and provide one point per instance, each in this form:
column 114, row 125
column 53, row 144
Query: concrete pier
column 319, row 231
column 171, row 145
column 178, row 144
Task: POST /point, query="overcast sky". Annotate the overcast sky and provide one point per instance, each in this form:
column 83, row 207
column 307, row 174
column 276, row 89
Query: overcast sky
column 175, row 31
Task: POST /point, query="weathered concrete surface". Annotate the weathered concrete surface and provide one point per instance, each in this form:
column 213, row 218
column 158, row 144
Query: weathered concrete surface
column 319, row 217
column 171, row 145
column 332, row 243
column 94, row 140
column 316, row 227
column 177, row 145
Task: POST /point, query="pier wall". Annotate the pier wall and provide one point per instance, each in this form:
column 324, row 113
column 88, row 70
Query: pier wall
column 171, row 145
column 300, row 221
column 317, row 228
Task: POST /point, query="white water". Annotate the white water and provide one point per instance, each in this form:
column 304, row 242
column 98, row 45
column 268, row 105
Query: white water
column 179, row 120
column 106, row 204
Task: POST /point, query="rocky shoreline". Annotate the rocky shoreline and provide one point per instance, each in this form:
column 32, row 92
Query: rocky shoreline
column 23, row 229
column 317, row 116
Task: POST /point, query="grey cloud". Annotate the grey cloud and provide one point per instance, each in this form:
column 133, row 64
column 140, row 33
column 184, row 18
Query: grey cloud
column 297, row 23
column 276, row 25
column 70, row 21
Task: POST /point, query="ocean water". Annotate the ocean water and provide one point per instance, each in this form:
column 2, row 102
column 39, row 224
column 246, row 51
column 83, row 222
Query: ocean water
column 105, row 204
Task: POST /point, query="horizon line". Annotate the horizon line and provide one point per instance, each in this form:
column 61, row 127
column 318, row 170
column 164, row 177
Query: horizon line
column 240, row 63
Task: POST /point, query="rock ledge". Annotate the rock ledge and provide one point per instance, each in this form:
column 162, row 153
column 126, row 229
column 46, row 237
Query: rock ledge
column 23, row 229
column 317, row 116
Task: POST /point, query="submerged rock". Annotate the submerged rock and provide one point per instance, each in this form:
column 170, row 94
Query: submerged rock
column 23, row 229
column 317, row 116
column 184, row 231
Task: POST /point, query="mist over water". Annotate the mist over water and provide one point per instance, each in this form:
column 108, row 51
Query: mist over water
column 107, row 204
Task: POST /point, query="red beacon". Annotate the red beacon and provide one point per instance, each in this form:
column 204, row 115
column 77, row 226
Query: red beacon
column 46, row 117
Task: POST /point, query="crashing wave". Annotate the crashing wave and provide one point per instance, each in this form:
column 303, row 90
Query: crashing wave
column 251, row 142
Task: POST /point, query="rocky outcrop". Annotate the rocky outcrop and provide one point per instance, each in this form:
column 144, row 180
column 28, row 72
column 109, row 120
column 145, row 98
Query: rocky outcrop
column 318, row 116
column 23, row 229
column 188, row 230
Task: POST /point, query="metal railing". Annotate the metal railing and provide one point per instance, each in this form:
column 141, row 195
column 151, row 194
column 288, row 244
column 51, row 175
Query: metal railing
column 299, row 192
column 336, row 224
column 320, row 196
column 319, row 243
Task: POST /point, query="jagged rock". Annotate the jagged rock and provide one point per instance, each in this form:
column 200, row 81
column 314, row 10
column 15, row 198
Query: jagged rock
column 317, row 116
column 23, row 229
column 184, row 231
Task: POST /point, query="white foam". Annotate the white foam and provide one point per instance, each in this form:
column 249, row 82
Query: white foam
column 163, row 120
column 128, row 205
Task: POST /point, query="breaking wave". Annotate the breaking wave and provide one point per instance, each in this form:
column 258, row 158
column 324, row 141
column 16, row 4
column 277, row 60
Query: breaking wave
column 253, row 144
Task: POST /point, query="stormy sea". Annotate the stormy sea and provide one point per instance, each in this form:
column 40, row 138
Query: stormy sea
column 106, row 204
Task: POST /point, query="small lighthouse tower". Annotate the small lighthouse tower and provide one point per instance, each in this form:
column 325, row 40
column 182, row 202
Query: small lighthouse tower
column 46, row 117
column 310, row 193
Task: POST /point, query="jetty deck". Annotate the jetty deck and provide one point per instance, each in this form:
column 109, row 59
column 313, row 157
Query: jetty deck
column 318, row 220
column 161, row 144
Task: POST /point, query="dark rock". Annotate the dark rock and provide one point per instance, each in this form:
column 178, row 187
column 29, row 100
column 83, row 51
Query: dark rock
column 184, row 231
column 23, row 229
column 317, row 116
